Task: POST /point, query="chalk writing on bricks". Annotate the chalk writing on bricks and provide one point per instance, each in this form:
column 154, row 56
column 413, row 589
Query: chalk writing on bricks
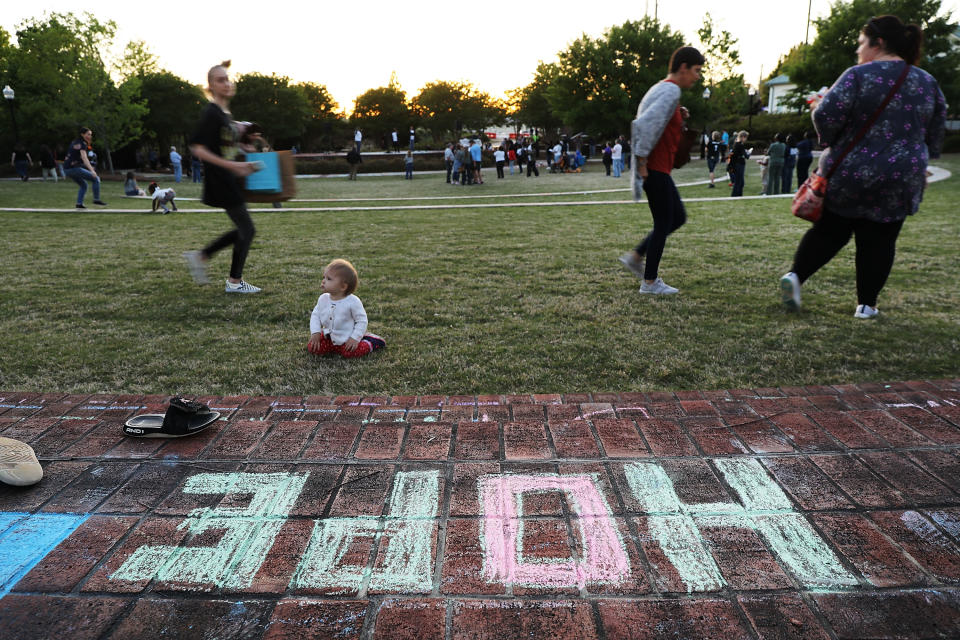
column 249, row 532
column 765, row 508
column 603, row 559
column 256, row 505
column 408, row 531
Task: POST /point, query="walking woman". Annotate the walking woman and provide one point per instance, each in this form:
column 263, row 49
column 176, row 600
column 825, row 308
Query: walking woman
column 881, row 179
column 216, row 141
column 657, row 131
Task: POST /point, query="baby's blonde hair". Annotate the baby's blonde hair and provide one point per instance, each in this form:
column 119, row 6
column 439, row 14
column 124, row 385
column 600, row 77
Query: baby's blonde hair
column 346, row 272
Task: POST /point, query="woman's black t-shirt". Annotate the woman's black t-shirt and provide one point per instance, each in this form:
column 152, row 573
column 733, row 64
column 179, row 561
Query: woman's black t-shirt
column 216, row 132
column 77, row 148
column 739, row 155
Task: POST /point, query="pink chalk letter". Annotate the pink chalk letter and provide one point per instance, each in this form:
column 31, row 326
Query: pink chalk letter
column 604, row 558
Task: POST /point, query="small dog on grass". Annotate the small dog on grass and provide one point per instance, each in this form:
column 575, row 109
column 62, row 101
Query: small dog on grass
column 161, row 197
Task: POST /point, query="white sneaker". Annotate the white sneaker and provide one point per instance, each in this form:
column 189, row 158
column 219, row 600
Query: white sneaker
column 866, row 311
column 18, row 463
column 790, row 290
column 633, row 265
column 241, row 287
column 197, row 266
column 658, row 287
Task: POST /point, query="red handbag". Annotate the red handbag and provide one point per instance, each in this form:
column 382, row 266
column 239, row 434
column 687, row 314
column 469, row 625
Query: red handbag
column 808, row 200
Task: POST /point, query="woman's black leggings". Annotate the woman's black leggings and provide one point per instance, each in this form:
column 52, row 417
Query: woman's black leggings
column 240, row 238
column 668, row 216
column 876, row 246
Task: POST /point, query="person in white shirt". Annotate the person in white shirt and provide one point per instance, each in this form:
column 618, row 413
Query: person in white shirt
column 499, row 156
column 338, row 323
column 358, row 138
column 617, row 158
column 557, row 151
column 161, row 197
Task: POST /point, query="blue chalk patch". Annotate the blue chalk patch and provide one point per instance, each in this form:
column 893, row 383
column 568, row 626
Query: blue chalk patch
column 25, row 539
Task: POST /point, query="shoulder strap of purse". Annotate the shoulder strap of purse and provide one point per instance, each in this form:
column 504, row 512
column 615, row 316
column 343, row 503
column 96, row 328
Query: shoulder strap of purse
column 876, row 114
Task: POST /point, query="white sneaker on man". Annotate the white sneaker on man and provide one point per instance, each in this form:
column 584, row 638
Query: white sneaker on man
column 629, row 260
column 197, row 266
column 866, row 311
column 241, row 287
column 658, row 287
column 790, row 290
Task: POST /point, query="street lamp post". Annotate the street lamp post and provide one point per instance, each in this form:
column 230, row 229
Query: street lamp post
column 706, row 97
column 751, row 96
column 9, row 95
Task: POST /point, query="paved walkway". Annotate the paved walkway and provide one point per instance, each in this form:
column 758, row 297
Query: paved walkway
column 802, row 512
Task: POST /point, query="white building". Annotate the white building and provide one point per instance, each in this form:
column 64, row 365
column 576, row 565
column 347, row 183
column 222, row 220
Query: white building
column 779, row 87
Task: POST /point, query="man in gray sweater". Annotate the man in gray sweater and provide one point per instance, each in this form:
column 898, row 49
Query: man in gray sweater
column 656, row 133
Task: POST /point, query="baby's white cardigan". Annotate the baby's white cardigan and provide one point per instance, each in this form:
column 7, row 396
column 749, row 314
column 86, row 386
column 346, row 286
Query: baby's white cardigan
column 340, row 319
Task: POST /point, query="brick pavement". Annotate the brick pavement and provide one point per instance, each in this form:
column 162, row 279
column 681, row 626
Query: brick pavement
column 800, row 512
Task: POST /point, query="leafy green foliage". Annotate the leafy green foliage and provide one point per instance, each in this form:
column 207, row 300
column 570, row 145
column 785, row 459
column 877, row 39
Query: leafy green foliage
column 600, row 81
column 324, row 127
column 834, row 49
column 719, row 48
column 379, row 111
column 444, row 107
column 531, row 106
column 173, row 105
column 62, row 83
column 137, row 60
column 282, row 109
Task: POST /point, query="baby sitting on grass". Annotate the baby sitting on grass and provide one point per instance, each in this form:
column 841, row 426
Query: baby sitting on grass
column 338, row 322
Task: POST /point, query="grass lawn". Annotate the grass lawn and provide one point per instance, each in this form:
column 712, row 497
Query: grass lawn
column 470, row 299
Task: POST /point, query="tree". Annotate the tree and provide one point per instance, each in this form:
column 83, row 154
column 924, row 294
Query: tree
column 600, row 81
column 324, row 125
column 719, row 48
column 833, row 49
column 531, row 106
column 795, row 56
column 137, row 60
column 281, row 109
column 62, row 82
column 173, row 106
column 445, row 107
column 379, row 111
column 728, row 92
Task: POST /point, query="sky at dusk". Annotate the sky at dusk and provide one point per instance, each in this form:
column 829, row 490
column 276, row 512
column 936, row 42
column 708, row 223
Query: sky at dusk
column 354, row 46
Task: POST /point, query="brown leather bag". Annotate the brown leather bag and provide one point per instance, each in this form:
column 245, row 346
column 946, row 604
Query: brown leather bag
column 687, row 141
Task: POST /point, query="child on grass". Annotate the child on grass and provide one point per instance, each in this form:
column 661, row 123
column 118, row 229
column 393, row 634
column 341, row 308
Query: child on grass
column 338, row 322
column 130, row 187
column 161, row 197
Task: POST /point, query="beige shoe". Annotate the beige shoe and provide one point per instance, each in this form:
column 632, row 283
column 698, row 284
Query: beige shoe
column 18, row 463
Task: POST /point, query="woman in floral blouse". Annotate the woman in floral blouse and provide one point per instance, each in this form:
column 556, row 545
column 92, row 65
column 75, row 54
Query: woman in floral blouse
column 881, row 181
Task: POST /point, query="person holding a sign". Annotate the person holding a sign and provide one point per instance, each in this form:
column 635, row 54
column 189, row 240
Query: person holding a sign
column 216, row 141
